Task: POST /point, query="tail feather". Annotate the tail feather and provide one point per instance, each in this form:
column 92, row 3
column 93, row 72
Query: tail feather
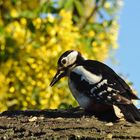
column 131, row 113
column 135, row 111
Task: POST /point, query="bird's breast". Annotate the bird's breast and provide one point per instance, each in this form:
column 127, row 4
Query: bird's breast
column 86, row 102
column 79, row 82
column 81, row 98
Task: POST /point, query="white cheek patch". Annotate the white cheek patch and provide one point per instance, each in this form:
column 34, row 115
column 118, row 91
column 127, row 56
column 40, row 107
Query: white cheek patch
column 87, row 76
column 71, row 58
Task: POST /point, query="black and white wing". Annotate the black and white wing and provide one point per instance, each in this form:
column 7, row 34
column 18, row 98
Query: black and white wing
column 113, row 80
column 96, row 80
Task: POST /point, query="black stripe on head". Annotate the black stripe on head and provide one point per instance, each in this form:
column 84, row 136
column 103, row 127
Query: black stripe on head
column 64, row 55
column 71, row 57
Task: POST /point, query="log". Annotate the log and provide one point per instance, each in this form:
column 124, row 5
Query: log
column 73, row 123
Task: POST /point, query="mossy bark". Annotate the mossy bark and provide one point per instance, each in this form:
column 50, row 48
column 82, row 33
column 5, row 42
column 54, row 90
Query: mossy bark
column 63, row 124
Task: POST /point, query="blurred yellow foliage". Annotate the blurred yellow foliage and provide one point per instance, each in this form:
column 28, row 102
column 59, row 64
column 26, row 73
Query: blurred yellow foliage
column 30, row 47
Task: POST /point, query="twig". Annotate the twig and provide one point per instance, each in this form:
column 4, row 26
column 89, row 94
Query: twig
column 97, row 6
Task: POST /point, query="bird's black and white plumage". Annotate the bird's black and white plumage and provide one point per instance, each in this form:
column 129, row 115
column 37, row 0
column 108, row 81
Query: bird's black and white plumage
column 96, row 87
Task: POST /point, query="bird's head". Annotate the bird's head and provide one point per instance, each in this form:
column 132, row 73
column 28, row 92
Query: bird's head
column 66, row 62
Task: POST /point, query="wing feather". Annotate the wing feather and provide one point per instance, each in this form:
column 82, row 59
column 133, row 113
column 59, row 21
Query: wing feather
column 117, row 82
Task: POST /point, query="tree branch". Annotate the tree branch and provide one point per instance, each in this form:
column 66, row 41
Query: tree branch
column 67, row 124
column 97, row 6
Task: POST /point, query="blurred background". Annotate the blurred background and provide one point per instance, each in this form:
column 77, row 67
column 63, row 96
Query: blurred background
column 129, row 51
column 35, row 32
column 127, row 55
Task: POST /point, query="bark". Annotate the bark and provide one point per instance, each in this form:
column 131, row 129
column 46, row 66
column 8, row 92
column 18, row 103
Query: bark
column 68, row 124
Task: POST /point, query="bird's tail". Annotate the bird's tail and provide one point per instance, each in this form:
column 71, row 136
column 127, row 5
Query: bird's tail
column 130, row 112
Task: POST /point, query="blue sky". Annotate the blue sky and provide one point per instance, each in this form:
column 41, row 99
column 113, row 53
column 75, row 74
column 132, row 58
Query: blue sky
column 128, row 53
column 129, row 40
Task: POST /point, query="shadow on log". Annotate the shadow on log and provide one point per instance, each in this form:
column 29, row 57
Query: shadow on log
column 67, row 124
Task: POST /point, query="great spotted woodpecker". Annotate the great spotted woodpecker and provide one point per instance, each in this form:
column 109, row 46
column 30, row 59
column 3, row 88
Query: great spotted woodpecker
column 96, row 87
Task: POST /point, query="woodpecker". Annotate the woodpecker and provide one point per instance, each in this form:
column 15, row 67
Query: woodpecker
column 96, row 87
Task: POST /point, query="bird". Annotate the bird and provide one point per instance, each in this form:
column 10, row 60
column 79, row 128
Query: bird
column 96, row 87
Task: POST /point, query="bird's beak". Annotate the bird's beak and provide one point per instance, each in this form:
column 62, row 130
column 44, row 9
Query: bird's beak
column 60, row 73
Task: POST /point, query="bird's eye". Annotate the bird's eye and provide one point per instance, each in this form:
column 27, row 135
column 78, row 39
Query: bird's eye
column 63, row 61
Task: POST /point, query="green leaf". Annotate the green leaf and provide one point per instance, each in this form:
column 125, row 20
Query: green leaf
column 1, row 30
column 10, row 42
column 79, row 7
column 61, row 3
column 28, row 14
column 68, row 4
column 31, row 26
